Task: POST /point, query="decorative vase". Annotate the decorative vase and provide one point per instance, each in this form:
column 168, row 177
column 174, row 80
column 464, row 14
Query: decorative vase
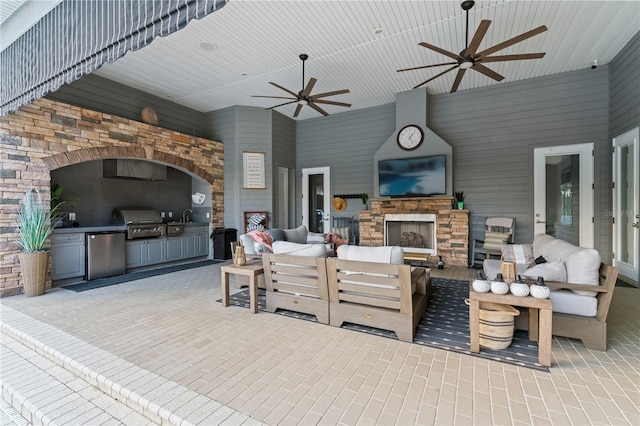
column 539, row 290
column 460, row 205
column 480, row 284
column 34, row 272
column 240, row 258
column 498, row 286
column 519, row 288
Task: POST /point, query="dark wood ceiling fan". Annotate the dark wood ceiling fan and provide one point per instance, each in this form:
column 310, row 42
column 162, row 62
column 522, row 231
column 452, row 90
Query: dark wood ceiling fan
column 304, row 96
column 470, row 59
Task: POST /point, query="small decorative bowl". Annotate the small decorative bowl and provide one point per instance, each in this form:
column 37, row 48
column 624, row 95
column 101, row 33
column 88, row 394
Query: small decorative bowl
column 519, row 289
column 499, row 287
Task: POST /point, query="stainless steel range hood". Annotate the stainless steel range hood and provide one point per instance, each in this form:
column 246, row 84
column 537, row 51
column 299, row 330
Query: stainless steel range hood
column 133, row 169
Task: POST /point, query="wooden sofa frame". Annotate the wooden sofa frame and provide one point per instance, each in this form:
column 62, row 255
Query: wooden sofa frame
column 377, row 295
column 591, row 330
column 296, row 283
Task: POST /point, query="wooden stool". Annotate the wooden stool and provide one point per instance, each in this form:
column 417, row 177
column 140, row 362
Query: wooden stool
column 508, row 270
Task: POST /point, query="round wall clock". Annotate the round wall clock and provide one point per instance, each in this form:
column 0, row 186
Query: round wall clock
column 410, row 137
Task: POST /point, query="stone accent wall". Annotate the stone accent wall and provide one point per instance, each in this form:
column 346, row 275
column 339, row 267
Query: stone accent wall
column 452, row 226
column 47, row 135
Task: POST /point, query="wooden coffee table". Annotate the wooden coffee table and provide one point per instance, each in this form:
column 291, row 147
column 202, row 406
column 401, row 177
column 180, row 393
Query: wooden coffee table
column 540, row 317
column 252, row 269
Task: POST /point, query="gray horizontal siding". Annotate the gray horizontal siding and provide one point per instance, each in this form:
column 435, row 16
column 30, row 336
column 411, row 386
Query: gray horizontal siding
column 624, row 115
column 345, row 142
column 221, row 126
column 99, row 94
column 284, row 155
column 241, row 129
column 625, row 88
column 494, row 130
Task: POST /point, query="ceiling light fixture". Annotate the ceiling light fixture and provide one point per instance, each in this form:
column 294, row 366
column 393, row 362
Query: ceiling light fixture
column 465, row 65
column 378, row 31
column 207, row 45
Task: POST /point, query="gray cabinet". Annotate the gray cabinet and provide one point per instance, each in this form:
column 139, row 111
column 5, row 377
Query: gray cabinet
column 67, row 255
column 145, row 252
column 196, row 241
column 193, row 243
column 174, row 248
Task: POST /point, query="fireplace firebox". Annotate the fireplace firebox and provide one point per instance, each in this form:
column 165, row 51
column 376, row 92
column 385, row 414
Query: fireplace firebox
column 413, row 232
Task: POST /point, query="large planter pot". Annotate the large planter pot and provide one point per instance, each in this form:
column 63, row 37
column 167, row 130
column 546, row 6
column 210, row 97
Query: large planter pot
column 34, row 272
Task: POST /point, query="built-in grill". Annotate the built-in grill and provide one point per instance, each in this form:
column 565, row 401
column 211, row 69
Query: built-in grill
column 141, row 223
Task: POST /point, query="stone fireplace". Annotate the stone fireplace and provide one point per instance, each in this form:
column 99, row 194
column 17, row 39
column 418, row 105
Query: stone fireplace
column 451, row 227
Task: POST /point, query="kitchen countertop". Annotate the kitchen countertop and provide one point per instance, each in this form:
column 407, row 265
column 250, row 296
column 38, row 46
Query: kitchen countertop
column 79, row 229
column 73, row 230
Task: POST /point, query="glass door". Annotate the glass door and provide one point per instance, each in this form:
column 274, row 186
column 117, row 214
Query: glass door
column 626, row 204
column 316, row 199
column 563, row 193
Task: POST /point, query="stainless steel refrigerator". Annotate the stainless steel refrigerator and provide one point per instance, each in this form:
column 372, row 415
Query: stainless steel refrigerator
column 105, row 254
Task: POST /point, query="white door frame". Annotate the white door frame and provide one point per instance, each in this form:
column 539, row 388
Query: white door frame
column 326, row 219
column 585, row 151
column 622, row 217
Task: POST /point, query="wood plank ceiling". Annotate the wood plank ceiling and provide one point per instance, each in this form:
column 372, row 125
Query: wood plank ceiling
column 223, row 59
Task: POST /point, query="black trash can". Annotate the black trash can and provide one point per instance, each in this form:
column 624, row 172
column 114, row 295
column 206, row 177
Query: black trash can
column 222, row 239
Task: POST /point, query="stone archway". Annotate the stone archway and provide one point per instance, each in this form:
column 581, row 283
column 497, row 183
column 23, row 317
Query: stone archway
column 47, row 135
column 88, row 154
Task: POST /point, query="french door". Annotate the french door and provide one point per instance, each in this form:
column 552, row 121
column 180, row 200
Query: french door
column 563, row 193
column 316, row 199
column 626, row 204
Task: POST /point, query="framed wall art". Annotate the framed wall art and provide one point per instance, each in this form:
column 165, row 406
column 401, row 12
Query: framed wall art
column 253, row 172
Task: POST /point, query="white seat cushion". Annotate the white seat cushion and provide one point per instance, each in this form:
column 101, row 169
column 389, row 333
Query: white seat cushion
column 568, row 302
column 385, row 254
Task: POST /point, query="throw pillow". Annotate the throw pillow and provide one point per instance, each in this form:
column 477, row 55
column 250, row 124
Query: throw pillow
column 550, row 271
column 298, row 235
column 277, row 234
column 256, row 222
column 583, row 267
column 493, row 240
column 341, row 232
column 521, row 254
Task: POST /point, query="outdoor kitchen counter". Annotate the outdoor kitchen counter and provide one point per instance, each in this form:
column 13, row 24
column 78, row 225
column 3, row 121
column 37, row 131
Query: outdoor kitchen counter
column 108, row 228
column 79, row 229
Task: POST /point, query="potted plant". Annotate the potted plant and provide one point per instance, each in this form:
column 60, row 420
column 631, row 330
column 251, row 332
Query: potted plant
column 61, row 218
column 460, row 199
column 365, row 199
column 36, row 221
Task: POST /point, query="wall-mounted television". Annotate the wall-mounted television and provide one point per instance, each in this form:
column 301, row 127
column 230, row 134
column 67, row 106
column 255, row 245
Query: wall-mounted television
column 413, row 177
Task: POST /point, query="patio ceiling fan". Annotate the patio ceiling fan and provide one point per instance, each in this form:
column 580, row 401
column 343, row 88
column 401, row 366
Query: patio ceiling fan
column 468, row 58
column 304, row 96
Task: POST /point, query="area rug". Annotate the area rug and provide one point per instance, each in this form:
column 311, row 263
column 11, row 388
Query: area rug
column 445, row 325
column 119, row 279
